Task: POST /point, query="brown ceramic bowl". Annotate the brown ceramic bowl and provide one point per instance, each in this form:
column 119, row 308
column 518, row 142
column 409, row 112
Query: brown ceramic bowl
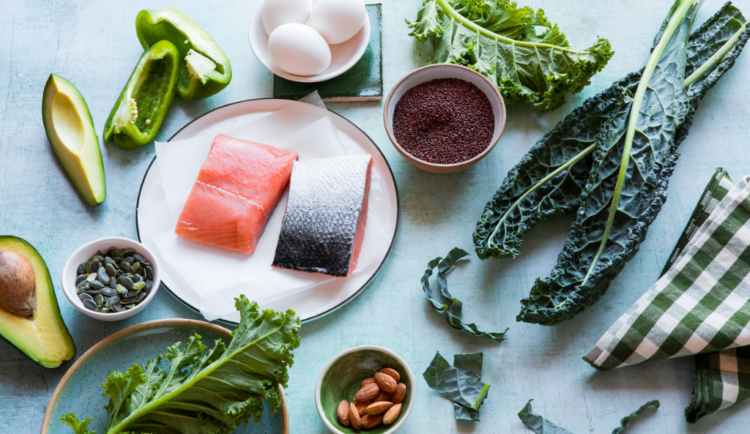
column 433, row 72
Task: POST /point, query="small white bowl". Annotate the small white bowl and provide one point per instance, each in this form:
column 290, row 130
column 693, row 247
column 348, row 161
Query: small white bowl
column 343, row 55
column 87, row 251
column 347, row 369
column 434, row 72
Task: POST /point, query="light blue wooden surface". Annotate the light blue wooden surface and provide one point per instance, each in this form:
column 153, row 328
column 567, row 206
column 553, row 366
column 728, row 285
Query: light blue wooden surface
column 93, row 44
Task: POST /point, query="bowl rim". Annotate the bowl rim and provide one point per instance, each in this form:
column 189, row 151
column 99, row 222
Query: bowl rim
column 334, row 359
column 128, row 330
column 323, row 76
column 69, row 290
column 462, row 164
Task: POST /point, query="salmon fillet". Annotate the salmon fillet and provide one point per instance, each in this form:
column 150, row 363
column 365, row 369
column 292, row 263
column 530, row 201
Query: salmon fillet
column 235, row 194
column 326, row 215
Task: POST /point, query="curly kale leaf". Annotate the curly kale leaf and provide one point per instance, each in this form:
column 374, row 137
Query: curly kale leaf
column 628, row 181
column 205, row 391
column 461, row 383
column 540, row 425
column 443, row 302
column 503, row 42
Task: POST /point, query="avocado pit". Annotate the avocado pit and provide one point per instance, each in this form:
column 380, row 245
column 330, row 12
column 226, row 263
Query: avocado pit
column 17, row 284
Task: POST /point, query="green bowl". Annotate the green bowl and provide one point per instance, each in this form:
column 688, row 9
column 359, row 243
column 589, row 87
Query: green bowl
column 342, row 378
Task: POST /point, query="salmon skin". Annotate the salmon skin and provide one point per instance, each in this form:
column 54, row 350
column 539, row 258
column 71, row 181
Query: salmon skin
column 235, row 194
column 325, row 218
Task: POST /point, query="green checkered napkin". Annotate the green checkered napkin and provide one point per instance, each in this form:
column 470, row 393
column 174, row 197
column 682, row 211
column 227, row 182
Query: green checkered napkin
column 699, row 305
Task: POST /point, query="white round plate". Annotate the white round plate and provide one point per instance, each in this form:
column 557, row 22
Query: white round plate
column 318, row 301
column 343, row 55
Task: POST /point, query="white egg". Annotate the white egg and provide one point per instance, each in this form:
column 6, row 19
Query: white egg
column 299, row 50
column 277, row 12
column 337, row 20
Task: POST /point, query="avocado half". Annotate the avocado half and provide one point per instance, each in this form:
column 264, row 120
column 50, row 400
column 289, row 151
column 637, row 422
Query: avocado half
column 43, row 336
column 70, row 130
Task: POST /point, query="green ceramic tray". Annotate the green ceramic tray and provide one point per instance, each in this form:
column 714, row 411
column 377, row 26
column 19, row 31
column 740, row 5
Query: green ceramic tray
column 343, row 376
column 80, row 390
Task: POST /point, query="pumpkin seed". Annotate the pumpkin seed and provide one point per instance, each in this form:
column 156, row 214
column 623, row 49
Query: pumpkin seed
column 81, row 269
column 118, row 274
column 80, row 279
column 139, row 285
column 110, row 269
column 141, row 296
column 106, row 310
column 138, row 257
column 81, row 290
column 129, row 306
column 96, row 284
column 149, row 285
column 85, row 297
column 128, row 259
column 102, row 276
column 109, row 292
column 149, row 272
column 121, row 290
column 125, row 281
column 117, row 259
column 127, row 300
column 108, row 260
column 112, row 283
column 90, row 305
column 99, row 300
column 132, row 293
column 117, row 307
column 93, row 291
column 111, row 251
column 111, row 301
column 95, row 264
column 91, row 277
column 128, row 253
column 137, row 278
column 88, row 267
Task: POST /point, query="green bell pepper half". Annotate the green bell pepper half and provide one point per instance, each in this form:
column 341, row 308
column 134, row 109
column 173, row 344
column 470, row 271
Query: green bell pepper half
column 144, row 102
column 205, row 69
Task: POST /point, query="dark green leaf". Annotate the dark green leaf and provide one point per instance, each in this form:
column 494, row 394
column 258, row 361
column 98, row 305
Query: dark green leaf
column 503, row 42
column 629, row 418
column 537, row 423
column 547, row 182
column 460, row 383
column 442, row 300
column 540, row 425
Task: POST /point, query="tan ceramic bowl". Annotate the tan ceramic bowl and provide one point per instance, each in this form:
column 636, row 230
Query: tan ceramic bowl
column 433, row 72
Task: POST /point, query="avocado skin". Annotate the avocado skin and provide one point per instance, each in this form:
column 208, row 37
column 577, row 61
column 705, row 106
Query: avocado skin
column 88, row 124
column 47, row 318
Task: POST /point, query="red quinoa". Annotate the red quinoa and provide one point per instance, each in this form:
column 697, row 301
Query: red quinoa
column 444, row 121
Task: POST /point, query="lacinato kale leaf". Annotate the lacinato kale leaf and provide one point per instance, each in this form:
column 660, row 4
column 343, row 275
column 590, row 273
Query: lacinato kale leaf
column 540, row 425
column 549, row 181
column 443, row 302
column 528, row 57
column 205, row 391
column 461, row 383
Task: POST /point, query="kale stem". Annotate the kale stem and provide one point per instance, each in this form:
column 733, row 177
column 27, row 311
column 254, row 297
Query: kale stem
column 716, row 57
column 680, row 12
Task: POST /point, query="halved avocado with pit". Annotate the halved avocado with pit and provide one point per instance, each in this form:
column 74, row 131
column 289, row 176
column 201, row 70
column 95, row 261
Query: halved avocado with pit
column 70, row 130
column 30, row 317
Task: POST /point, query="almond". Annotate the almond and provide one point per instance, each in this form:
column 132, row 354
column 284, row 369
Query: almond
column 392, row 372
column 371, row 421
column 391, row 415
column 383, row 396
column 379, row 407
column 367, row 381
column 354, row 418
column 362, row 407
column 342, row 413
column 398, row 395
column 385, row 382
column 370, row 391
